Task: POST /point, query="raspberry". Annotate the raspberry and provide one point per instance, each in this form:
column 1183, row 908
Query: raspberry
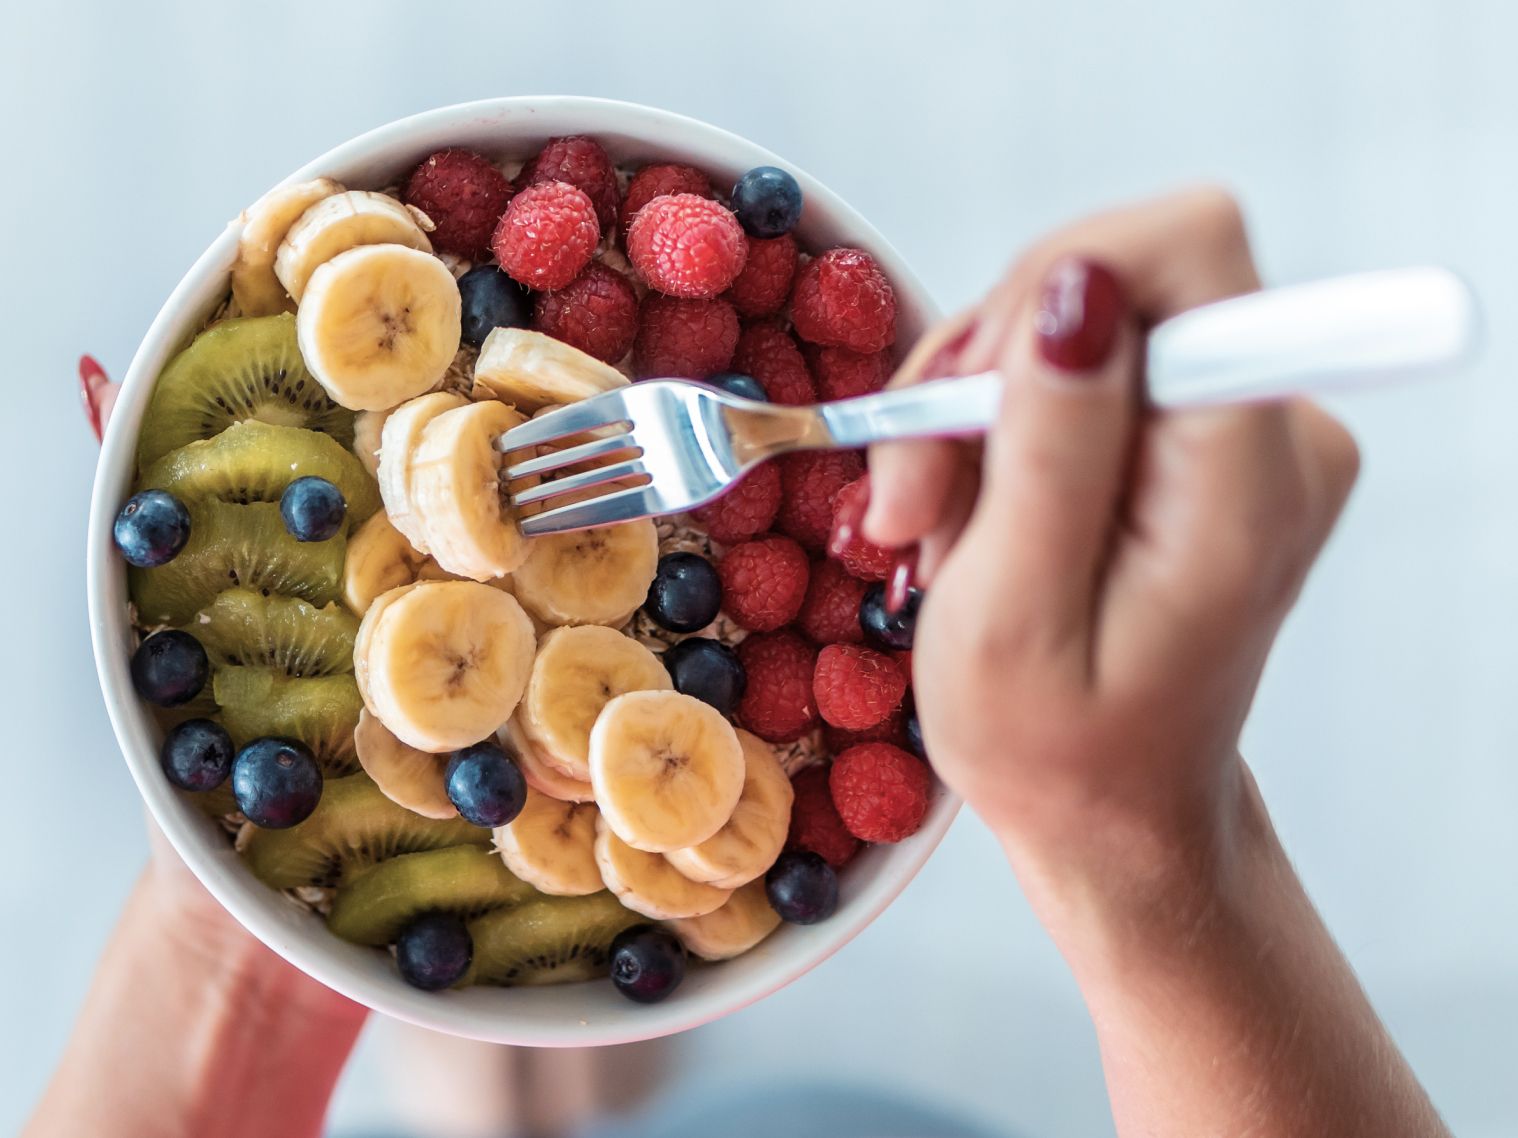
column 761, row 288
column 810, row 483
column 842, row 298
column 597, row 312
column 857, row 687
column 747, row 509
column 464, row 194
column 860, row 556
column 767, row 352
column 547, row 235
column 582, row 163
column 685, row 245
column 880, row 791
column 891, row 729
column 815, row 824
column 688, row 338
column 763, row 582
column 658, row 181
column 842, row 374
column 830, row 613
column 777, row 703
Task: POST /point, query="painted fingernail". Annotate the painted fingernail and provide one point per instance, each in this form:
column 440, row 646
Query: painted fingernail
column 848, row 519
column 944, row 362
column 92, row 385
column 901, row 582
column 1078, row 316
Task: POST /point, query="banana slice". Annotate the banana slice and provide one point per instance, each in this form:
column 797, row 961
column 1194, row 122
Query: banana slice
column 456, row 490
column 551, row 845
column 593, row 576
column 748, row 845
column 365, row 635
column 530, row 370
column 255, row 288
column 368, row 426
column 447, row 662
column 398, row 441
column 646, row 883
column 732, row 930
column 339, row 222
column 667, row 769
column 540, row 774
column 410, row 778
column 379, row 559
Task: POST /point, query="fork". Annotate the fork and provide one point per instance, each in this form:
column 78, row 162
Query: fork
column 669, row 445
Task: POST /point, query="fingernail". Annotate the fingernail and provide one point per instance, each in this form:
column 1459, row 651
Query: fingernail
column 901, row 582
column 1078, row 316
column 944, row 362
column 848, row 519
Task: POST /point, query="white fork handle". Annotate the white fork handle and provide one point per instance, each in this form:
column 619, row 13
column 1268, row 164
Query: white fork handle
column 1324, row 336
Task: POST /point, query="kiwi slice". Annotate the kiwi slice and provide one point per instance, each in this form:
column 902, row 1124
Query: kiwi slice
column 237, row 370
column 254, row 462
column 245, row 627
column 235, row 545
column 216, row 803
column 353, row 827
column 320, row 711
column 549, row 940
column 378, row 903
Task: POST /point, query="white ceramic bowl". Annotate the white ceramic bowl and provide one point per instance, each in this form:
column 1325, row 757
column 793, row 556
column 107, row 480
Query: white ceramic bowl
column 566, row 1015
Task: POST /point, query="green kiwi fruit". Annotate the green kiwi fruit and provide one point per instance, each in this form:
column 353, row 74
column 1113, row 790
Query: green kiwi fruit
column 320, row 711
column 236, row 370
column 254, row 462
column 548, row 940
column 353, row 827
column 244, row 627
column 235, row 545
column 378, row 903
column 217, row 803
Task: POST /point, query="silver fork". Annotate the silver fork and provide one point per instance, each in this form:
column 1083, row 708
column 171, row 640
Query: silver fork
column 670, row 445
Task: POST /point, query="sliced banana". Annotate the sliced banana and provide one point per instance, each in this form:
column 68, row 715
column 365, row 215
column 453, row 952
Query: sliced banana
column 255, row 287
column 667, row 769
column 745, row 920
column 447, row 662
column 398, row 441
column 365, row 635
column 410, row 778
column 753, row 837
column 592, row 576
column 530, row 370
column 379, row 559
column 336, row 223
column 540, row 774
column 551, row 845
column 646, row 883
column 368, row 426
column 456, row 490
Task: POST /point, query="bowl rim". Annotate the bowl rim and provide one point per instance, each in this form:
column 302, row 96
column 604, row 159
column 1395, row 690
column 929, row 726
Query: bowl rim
column 543, row 1017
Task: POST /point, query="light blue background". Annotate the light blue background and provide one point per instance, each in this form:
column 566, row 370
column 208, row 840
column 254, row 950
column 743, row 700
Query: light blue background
column 1360, row 133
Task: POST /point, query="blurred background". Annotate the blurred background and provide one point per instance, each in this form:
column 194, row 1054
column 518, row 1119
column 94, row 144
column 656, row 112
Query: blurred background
column 1359, row 134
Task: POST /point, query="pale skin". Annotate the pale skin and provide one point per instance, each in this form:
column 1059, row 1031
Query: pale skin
column 1109, row 582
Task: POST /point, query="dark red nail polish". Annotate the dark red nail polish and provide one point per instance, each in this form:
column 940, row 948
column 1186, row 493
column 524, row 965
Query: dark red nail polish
column 1079, row 314
column 92, row 382
column 944, row 362
column 848, row 519
column 901, row 582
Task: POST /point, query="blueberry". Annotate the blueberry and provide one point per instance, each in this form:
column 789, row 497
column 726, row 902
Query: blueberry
column 802, row 887
column 151, row 528
column 708, row 670
column 434, row 951
column 736, row 383
column 276, row 782
column 485, row 784
column 197, row 755
column 313, row 509
column 913, row 728
column 685, row 594
column 647, row 963
column 889, row 631
column 767, row 201
column 170, row 668
column 491, row 300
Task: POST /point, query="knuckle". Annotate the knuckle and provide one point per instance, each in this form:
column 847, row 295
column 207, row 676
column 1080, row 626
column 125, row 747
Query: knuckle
column 1218, row 218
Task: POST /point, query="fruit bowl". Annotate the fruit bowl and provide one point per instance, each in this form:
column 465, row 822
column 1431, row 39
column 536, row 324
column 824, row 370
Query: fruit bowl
column 581, row 1014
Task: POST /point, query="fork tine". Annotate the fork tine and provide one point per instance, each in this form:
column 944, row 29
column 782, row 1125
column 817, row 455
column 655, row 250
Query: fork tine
column 570, row 455
column 598, row 411
column 618, row 506
column 582, row 481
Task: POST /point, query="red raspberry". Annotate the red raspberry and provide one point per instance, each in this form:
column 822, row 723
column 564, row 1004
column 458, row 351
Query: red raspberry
column 688, row 338
column 862, row 557
column 842, row 298
column 830, row 613
column 815, row 824
column 761, row 288
column 777, row 702
column 881, row 792
column 658, row 181
column 584, row 164
column 857, row 687
column 842, row 374
column 891, row 729
column 464, row 194
column 685, row 245
column 597, row 312
column 767, row 352
column 547, row 235
column 763, row 582
column 746, row 510
column 810, row 483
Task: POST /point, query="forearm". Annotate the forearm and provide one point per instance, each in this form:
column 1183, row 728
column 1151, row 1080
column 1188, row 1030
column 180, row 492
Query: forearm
column 193, row 1028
